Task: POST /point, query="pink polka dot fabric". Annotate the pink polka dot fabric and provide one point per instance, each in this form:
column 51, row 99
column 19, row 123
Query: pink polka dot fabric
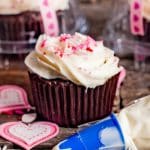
column 136, row 18
column 49, row 18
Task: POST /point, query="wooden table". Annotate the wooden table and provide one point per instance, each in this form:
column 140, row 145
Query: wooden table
column 137, row 84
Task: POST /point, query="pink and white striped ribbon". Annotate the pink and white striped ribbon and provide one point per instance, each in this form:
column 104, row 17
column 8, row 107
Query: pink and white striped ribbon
column 49, row 18
column 136, row 18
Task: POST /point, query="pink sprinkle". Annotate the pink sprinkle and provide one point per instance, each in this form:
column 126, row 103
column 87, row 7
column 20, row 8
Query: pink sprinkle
column 81, row 46
column 74, row 48
column 89, row 49
column 49, row 15
column 43, row 43
column 59, row 52
column 61, row 55
column 64, row 37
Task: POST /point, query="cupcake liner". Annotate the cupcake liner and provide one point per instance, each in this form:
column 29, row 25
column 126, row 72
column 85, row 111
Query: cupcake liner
column 15, row 27
column 17, row 35
column 26, row 26
column 70, row 105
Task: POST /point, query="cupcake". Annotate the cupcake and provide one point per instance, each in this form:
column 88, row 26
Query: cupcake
column 73, row 79
column 21, row 19
column 141, row 9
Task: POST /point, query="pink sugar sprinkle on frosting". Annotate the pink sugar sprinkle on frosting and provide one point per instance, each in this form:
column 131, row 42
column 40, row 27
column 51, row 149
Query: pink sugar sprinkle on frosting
column 43, row 43
column 73, row 43
column 59, row 52
column 82, row 45
column 89, row 49
column 64, row 37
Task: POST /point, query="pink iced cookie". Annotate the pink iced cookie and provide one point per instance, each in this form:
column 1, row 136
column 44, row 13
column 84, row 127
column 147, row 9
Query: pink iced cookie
column 136, row 18
column 13, row 98
column 49, row 18
column 28, row 136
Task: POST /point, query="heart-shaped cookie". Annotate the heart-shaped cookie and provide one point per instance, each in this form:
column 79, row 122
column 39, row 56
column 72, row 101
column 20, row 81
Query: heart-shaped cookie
column 28, row 136
column 13, row 98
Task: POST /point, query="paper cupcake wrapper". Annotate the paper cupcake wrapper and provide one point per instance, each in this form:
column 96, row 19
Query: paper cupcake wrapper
column 15, row 27
column 70, row 105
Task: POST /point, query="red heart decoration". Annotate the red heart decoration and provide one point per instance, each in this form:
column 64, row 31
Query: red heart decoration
column 49, row 15
column 45, row 2
column 51, row 26
column 136, row 18
column 28, row 136
column 136, row 5
column 13, row 98
column 136, row 29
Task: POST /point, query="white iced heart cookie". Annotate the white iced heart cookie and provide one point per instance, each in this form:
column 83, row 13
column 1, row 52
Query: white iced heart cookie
column 28, row 136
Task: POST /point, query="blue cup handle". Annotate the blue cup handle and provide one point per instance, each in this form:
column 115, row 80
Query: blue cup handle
column 106, row 134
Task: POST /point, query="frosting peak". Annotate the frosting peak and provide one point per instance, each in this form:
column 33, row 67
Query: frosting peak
column 67, row 44
column 77, row 58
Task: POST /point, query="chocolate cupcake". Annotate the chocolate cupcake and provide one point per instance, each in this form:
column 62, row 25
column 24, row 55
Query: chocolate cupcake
column 73, row 79
column 21, row 19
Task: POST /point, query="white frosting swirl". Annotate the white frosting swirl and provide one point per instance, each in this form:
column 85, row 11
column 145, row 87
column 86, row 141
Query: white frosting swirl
column 18, row 6
column 77, row 58
column 135, row 122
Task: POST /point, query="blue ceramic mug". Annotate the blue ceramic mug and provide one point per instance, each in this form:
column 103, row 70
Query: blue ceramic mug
column 104, row 135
